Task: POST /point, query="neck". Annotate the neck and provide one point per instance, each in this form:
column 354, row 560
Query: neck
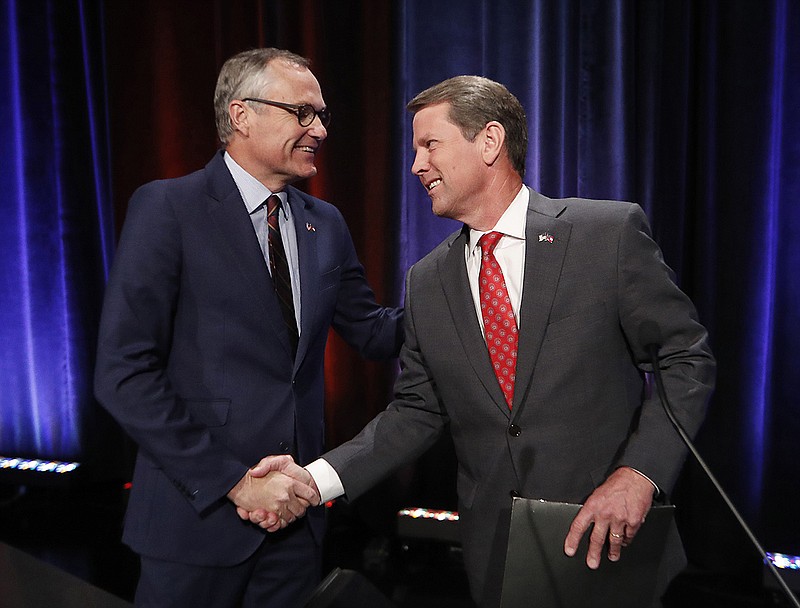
column 271, row 181
column 496, row 198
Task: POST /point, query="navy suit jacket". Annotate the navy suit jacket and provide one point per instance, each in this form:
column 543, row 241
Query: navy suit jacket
column 580, row 410
column 194, row 360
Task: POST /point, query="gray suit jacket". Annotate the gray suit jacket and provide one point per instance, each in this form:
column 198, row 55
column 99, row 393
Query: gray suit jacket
column 580, row 404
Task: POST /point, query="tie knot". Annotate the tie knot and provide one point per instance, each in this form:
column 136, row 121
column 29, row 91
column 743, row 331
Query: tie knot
column 273, row 204
column 489, row 241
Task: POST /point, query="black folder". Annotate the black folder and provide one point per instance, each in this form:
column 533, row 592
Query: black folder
column 539, row 573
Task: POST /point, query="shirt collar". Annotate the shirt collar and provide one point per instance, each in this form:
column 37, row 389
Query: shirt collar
column 253, row 192
column 511, row 223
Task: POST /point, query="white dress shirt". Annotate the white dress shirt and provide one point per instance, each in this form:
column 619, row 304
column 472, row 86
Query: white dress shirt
column 510, row 254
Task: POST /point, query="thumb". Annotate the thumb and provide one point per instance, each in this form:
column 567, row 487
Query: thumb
column 271, row 463
column 307, row 493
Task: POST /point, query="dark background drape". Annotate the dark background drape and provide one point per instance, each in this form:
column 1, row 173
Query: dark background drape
column 688, row 108
column 56, row 237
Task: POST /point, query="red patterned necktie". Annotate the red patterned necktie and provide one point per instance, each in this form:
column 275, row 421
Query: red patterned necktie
column 281, row 279
column 499, row 324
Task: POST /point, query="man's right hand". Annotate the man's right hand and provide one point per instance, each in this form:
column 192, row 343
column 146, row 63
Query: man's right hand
column 274, row 493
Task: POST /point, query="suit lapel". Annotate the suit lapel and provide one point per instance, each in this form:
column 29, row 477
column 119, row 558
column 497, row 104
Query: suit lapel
column 546, row 240
column 235, row 233
column 309, row 269
column 453, row 273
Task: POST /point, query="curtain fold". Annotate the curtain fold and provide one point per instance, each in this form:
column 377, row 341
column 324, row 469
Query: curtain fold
column 160, row 104
column 57, row 235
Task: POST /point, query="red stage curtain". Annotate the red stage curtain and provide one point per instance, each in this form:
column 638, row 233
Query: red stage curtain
column 163, row 58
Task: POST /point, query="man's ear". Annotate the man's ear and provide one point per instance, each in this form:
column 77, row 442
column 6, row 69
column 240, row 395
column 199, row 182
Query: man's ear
column 494, row 137
column 238, row 112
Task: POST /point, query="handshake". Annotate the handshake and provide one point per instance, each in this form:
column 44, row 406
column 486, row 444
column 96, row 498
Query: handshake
column 274, row 493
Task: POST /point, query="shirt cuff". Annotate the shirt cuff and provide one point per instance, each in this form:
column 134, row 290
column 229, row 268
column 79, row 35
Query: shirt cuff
column 656, row 489
column 326, row 478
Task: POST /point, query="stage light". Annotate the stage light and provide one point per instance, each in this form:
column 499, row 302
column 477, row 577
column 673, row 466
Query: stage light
column 35, row 465
column 789, row 568
column 419, row 512
column 435, row 524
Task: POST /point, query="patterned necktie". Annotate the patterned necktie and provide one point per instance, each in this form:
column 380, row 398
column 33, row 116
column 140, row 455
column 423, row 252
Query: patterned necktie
column 281, row 279
column 500, row 326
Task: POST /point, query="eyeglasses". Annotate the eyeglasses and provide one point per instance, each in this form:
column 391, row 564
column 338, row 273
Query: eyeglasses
column 305, row 112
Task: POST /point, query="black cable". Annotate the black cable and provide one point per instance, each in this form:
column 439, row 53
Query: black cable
column 652, row 350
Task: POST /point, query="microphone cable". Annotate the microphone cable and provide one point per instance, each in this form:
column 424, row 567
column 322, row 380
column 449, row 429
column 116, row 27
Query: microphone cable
column 650, row 335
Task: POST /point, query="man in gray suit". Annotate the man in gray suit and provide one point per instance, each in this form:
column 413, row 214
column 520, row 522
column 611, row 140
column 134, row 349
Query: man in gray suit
column 556, row 407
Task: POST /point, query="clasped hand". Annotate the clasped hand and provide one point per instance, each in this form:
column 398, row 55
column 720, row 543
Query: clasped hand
column 274, row 493
column 617, row 509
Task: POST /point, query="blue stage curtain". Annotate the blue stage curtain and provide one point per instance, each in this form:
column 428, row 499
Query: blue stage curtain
column 691, row 110
column 57, row 233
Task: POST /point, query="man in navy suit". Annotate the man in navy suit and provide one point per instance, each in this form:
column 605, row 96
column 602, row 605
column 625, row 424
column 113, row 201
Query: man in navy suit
column 211, row 364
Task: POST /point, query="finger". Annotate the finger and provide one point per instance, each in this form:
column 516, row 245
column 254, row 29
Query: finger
column 273, row 528
column 274, row 522
column 257, row 516
column 271, row 522
column 576, row 531
column 597, row 539
column 306, row 492
column 297, row 472
column 295, row 508
column 632, row 529
column 271, row 463
column 616, row 541
column 243, row 513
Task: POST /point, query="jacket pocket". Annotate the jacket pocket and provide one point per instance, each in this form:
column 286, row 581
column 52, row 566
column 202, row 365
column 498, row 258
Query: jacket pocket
column 211, row 412
column 330, row 278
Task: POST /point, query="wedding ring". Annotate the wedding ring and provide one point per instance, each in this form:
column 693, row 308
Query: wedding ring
column 615, row 535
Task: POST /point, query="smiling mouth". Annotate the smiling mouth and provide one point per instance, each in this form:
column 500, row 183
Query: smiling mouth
column 308, row 149
column 433, row 184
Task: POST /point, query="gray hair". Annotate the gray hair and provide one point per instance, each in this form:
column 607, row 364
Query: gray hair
column 474, row 101
column 244, row 75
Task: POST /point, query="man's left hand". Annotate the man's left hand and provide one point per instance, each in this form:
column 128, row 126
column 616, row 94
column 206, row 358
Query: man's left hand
column 617, row 509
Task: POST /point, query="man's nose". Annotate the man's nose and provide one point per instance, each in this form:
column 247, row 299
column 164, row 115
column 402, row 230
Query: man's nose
column 420, row 164
column 317, row 130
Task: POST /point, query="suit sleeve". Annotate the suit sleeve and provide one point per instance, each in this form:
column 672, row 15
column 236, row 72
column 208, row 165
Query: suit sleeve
column 410, row 424
column 375, row 331
column 647, row 292
column 131, row 376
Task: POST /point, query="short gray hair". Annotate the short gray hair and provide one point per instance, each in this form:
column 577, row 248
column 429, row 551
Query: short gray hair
column 244, row 75
column 475, row 101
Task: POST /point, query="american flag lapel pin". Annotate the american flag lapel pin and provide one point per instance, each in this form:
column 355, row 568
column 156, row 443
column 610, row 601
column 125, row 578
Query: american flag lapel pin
column 310, row 227
column 546, row 237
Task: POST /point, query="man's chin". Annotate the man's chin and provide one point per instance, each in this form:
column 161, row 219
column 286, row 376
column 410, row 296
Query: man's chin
column 439, row 210
column 306, row 173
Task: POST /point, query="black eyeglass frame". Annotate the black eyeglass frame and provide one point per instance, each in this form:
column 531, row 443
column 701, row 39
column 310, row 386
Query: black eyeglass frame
column 299, row 110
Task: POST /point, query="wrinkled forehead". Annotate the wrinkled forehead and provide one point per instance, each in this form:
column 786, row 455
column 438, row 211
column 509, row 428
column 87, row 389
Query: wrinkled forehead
column 292, row 83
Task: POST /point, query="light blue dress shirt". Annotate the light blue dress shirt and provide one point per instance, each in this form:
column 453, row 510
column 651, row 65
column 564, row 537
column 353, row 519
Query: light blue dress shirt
column 255, row 194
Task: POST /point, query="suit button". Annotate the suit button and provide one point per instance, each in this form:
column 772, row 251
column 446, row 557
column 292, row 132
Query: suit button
column 514, row 430
column 284, row 447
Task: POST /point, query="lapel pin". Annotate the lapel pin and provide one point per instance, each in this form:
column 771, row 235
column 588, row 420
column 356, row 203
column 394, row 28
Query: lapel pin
column 310, row 228
column 546, row 237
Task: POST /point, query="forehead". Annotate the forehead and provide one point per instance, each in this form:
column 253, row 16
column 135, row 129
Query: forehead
column 433, row 122
column 292, row 83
